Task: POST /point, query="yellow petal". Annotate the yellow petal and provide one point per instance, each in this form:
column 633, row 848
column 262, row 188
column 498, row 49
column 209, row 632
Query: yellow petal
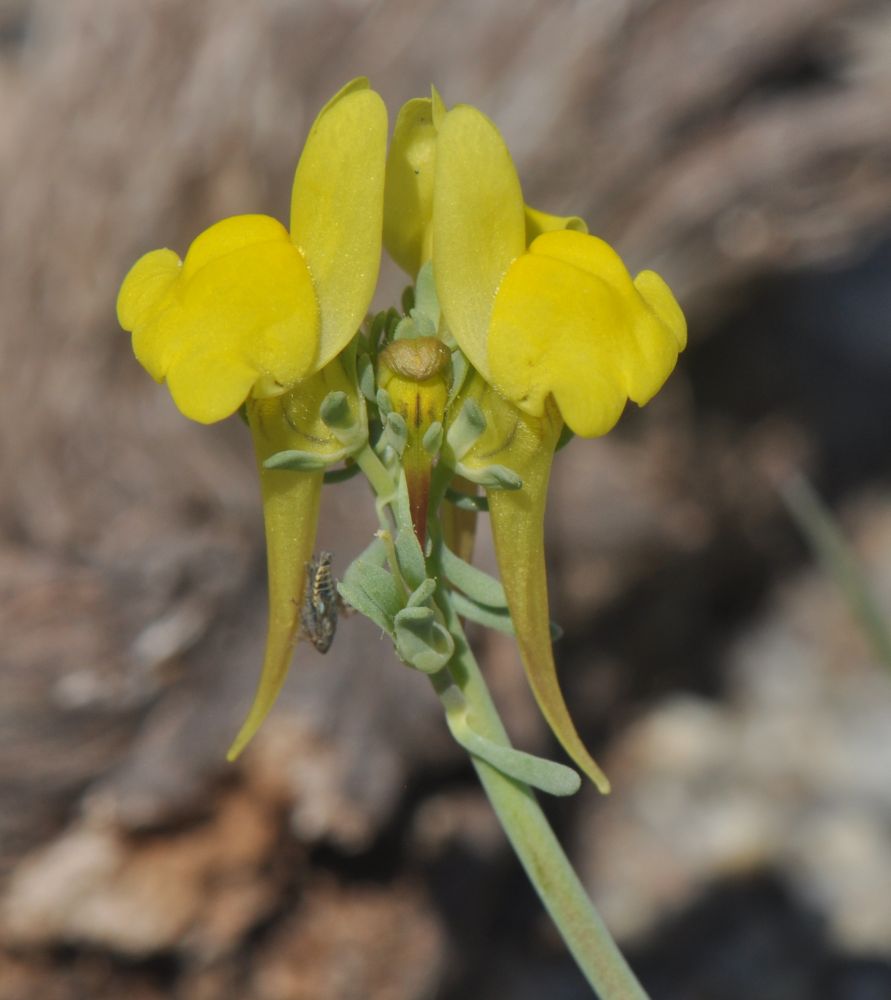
column 570, row 322
column 240, row 309
column 408, row 194
column 661, row 300
column 556, row 330
column 208, row 386
column 478, row 225
column 659, row 328
column 228, row 236
column 526, row 445
column 538, row 222
column 438, row 108
column 588, row 253
column 290, row 515
column 146, row 286
column 337, row 210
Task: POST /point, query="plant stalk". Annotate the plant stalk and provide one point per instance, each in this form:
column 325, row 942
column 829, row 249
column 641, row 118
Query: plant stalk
column 534, row 842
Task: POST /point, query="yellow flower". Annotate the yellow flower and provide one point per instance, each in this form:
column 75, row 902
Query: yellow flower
column 253, row 309
column 408, row 194
column 563, row 319
column 259, row 315
column 551, row 319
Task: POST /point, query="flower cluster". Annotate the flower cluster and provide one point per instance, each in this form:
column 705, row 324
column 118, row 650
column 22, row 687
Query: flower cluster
column 519, row 328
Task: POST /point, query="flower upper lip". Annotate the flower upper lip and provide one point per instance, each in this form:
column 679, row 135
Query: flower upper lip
column 252, row 302
column 560, row 317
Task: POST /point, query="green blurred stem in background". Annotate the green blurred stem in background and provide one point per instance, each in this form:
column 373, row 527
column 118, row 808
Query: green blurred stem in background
column 821, row 529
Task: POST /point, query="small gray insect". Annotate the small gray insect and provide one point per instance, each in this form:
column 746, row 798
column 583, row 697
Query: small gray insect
column 321, row 603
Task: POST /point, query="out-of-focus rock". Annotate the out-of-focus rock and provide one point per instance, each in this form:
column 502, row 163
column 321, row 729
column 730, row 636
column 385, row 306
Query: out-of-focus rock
column 789, row 774
column 26, row 977
column 196, row 892
column 382, row 942
column 455, row 819
column 59, row 660
column 625, row 508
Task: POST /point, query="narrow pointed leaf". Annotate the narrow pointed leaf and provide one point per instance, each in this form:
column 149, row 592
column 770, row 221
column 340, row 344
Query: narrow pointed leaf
column 422, row 596
column 546, row 775
column 476, row 584
column 295, row 460
column 498, row 619
column 421, row 640
column 411, row 558
column 373, row 592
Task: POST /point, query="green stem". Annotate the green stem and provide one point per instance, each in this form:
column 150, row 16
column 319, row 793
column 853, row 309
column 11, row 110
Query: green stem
column 376, row 473
column 464, row 500
column 547, row 775
column 535, row 843
column 527, row 828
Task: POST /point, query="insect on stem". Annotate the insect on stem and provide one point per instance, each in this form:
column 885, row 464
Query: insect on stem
column 321, row 605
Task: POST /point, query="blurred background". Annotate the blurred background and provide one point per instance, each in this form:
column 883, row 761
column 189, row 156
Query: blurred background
column 741, row 149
